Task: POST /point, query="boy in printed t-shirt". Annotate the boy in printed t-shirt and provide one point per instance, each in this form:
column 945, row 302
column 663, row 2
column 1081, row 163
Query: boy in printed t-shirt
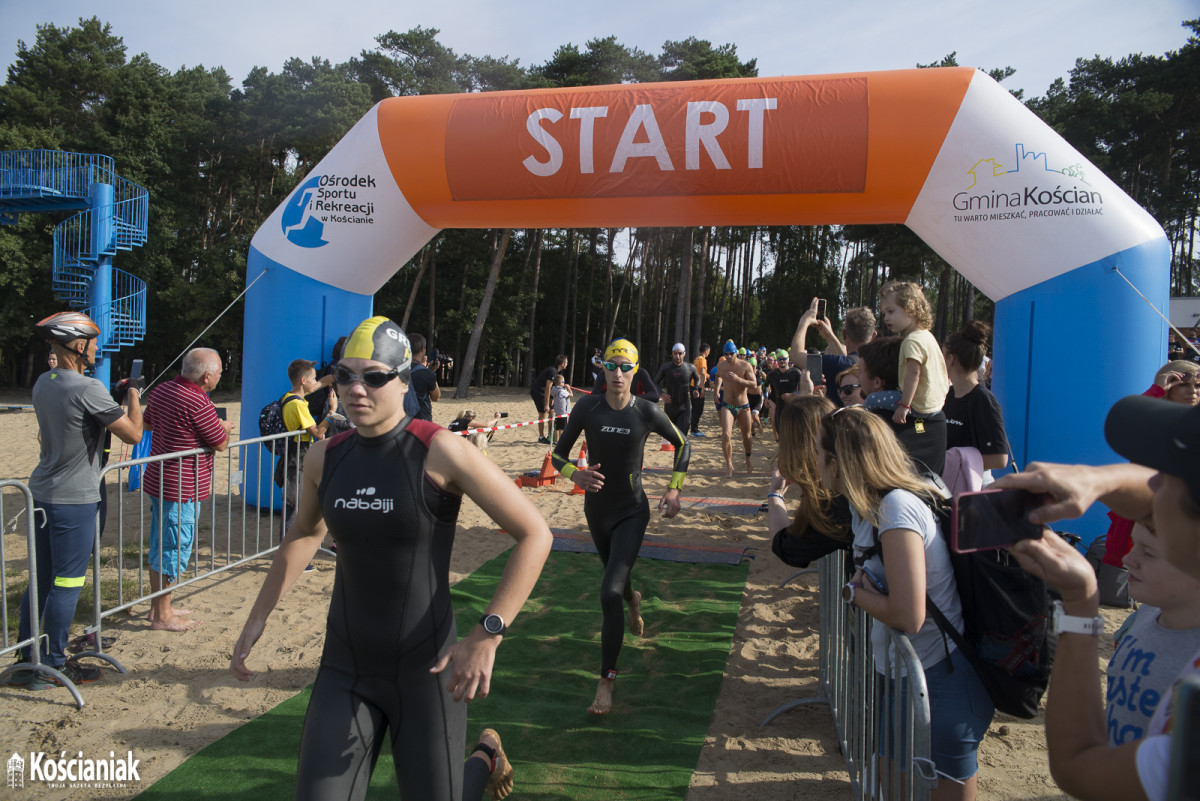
column 1159, row 639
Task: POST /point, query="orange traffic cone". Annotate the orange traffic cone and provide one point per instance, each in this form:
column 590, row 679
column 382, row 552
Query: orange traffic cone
column 581, row 464
column 666, row 446
column 548, row 470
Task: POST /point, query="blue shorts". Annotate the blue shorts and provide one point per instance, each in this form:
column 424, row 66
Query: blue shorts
column 960, row 711
column 174, row 547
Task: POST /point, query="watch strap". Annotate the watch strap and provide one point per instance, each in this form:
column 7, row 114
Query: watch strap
column 1074, row 624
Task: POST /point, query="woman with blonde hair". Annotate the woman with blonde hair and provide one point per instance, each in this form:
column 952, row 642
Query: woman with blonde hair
column 903, row 560
column 822, row 521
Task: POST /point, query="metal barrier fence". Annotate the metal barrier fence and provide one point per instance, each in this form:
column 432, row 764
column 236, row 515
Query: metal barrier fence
column 228, row 533
column 882, row 722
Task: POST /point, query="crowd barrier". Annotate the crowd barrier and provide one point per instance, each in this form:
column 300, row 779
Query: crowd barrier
column 860, row 698
column 228, row 534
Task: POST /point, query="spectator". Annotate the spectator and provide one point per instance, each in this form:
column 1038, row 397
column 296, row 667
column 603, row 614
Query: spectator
column 701, row 364
column 902, row 559
column 1159, row 638
column 782, row 384
column 183, row 418
column 822, row 520
column 849, row 386
column 1155, row 436
column 423, row 389
column 973, row 418
column 73, row 412
column 1176, row 381
column 922, row 368
column 540, row 392
column 289, row 471
column 324, row 401
column 560, row 405
column 858, row 331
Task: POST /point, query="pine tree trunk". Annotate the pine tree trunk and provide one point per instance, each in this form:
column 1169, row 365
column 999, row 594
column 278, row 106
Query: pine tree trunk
column 468, row 362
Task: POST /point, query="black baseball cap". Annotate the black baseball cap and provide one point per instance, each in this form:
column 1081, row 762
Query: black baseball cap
column 1159, row 434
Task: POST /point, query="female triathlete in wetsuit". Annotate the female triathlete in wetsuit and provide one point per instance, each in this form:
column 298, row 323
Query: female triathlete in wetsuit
column 390, row 492
column 616, row 425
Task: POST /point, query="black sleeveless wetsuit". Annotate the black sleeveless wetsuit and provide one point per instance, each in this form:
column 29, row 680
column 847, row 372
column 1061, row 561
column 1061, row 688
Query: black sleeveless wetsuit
column 390, row 620
column 617, row 515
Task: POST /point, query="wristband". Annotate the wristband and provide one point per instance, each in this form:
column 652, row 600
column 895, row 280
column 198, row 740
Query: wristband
column 904, row 406
column 676, row 480
column 775, row 495
column 567, row 470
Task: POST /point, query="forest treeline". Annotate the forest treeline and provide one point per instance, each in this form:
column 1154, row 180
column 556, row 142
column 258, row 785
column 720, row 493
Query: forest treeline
column 218, row 158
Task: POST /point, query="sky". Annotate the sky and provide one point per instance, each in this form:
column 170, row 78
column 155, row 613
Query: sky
column 787, row 37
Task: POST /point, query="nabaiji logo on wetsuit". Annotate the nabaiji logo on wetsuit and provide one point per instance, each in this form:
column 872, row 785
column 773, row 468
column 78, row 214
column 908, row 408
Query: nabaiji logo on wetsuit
column 761, row 138
column 362, row 500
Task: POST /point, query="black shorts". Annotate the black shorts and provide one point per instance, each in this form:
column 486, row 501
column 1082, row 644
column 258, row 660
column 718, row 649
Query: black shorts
column 540, row 402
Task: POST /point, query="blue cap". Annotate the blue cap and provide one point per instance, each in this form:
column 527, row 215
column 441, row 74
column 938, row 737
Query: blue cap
column 729, row 347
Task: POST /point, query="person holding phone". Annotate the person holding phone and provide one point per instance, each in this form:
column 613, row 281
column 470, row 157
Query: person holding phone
column 1162, row 487
column 858, row 456
column 858, row 331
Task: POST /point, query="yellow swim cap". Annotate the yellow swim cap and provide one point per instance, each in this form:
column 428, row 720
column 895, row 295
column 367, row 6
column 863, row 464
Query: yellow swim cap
column 381, row 340
column 621, row 347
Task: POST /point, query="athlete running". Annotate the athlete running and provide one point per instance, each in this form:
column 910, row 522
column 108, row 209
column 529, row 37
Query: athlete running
column 735, row 377
column 617, row 425
column 390, row 492
column 679, row 381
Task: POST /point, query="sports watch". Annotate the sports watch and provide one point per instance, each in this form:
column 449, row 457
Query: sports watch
column 848, row 592
column 1062, row 623
column 493, row 624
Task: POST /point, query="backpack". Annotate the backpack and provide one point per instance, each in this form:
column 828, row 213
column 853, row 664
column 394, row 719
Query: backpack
column 1006, row 623
column 270, row 421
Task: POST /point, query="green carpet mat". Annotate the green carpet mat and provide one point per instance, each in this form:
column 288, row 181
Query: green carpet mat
column 545, row 677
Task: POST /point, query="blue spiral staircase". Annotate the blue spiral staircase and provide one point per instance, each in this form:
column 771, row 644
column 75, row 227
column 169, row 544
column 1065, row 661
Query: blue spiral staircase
column 111, row 215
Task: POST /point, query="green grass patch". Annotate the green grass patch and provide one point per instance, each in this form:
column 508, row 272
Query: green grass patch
column 545, row 677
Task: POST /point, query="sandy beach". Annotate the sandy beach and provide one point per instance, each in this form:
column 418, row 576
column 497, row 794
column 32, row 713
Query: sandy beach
column 179, row 696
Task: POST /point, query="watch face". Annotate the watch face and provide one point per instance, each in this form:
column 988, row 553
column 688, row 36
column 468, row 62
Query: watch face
column 848, row 593
column 493, row 624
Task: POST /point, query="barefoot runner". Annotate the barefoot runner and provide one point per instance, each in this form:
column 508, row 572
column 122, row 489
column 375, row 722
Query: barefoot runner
column 390, row 491
column 617, row 425
column 735, row 377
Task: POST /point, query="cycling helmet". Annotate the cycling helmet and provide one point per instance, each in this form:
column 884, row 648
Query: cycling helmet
column 66, row 327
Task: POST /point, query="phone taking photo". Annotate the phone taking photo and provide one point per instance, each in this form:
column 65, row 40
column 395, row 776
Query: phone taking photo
column 821, row 306
column 135, row 371
column 992, row 519
column 813, row 364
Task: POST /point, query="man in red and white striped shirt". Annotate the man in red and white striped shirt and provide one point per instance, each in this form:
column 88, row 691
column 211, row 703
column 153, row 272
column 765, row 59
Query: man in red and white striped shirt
column 182, row 418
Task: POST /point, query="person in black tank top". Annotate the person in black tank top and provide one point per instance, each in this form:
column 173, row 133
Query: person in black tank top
column 617, row 425
column 389, row 493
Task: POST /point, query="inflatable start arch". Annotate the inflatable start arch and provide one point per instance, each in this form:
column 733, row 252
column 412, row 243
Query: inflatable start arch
column 948, row 152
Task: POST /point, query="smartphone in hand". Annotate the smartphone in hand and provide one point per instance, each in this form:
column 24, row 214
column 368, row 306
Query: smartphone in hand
column 821, row 306
column 993, row 519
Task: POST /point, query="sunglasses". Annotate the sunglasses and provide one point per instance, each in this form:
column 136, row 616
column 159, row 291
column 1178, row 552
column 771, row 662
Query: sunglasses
column 371, row 378
column 848, row 388
column 624, row 367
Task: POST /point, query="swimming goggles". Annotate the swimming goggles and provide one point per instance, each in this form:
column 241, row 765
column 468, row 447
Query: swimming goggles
column 624, row 367
column 371, row 378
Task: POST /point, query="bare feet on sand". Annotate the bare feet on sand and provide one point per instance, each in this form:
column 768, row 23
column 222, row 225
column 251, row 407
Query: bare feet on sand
column 602, row 704
column 636, row 626
column 500, row 784
column 729, row 470
column 749, row 466
column 176, row 611
column 174, row 623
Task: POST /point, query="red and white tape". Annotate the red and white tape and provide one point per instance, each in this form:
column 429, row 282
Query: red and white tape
column 509, row 425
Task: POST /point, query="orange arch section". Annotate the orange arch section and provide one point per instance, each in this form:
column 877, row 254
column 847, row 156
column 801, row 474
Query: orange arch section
column 848, row 148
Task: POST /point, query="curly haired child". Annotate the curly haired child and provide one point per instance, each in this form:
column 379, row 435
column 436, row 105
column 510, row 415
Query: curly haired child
column 924, row 381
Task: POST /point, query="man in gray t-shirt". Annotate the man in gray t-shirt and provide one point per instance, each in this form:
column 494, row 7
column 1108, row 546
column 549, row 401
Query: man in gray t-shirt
column 73, row 412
